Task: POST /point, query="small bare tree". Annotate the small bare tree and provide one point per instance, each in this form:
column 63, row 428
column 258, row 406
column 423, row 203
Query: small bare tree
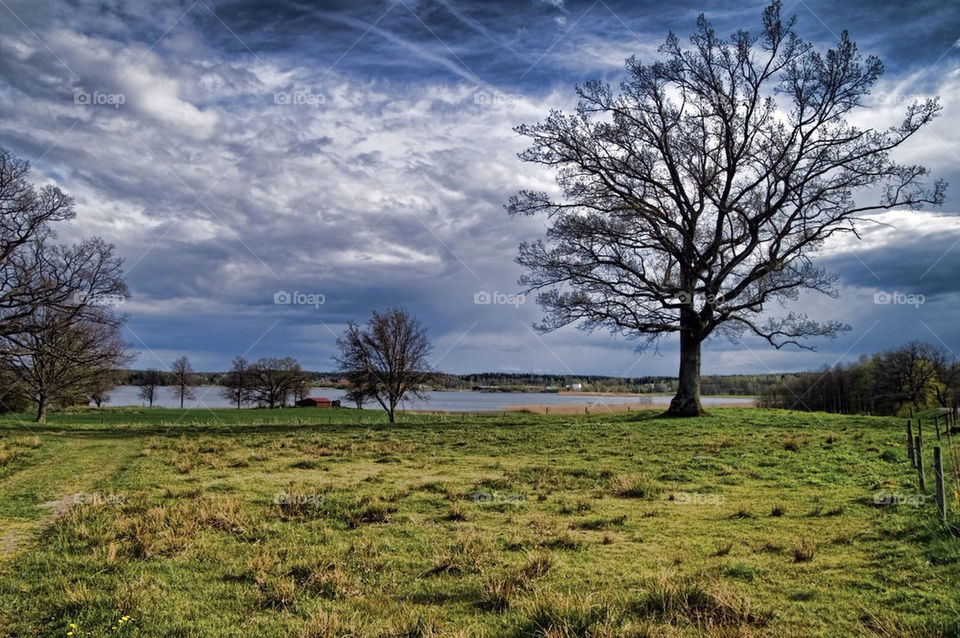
column 238, row 383
column 909, row 375
column 301, row 385
column 99, row 389
column 387, row 358
column 699, row 193
column 184, row 378
column 150, row 380
column 357, row 394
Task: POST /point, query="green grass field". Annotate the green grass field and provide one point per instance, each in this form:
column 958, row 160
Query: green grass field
column 135, row 522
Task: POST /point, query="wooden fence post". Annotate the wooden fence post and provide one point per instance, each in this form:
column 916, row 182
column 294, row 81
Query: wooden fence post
column 938, row 477
column 918, row 454
column 913, row 463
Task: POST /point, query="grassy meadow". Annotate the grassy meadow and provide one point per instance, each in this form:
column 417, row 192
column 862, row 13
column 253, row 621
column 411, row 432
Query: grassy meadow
column 138, row 522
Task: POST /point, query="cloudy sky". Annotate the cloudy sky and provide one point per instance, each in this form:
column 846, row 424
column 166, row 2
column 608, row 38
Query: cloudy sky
column 361, row 152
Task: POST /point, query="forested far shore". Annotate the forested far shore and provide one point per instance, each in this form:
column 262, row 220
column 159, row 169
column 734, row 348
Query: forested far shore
column 735, row 385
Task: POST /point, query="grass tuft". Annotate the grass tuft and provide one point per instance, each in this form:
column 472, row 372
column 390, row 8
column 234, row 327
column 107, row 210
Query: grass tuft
column 670, row 598
column 803, row 551
column 634, row 486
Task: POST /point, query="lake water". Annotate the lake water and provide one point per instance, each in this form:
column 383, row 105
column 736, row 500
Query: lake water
column 452, row 401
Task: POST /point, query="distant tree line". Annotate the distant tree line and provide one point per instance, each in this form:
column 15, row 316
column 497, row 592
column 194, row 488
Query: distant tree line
column 917, row 375
column 743, row 385
column 735, row 384
column 166, row 377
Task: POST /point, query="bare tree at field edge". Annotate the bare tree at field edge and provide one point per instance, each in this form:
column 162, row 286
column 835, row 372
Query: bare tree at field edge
column 387, row 358
column 184, row 378
column 699, row 193
column 150, row 380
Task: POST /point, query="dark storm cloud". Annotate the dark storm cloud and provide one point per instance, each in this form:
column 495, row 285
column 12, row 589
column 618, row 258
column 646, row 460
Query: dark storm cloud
column 914, row 255
column 363, row 152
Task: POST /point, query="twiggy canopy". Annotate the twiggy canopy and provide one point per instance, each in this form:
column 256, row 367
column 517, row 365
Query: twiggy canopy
column 700, row 191
column 26, row 217
column 386, row 360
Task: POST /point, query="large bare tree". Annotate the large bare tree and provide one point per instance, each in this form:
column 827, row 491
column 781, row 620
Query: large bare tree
column 26, row 215
column 59, row 325
column 386, row 360
column 62, row 360
column 61, row 346
column 698, row 194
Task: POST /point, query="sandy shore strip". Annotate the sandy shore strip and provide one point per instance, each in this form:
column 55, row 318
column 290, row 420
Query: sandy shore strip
column 593, row 408
column 611, row 408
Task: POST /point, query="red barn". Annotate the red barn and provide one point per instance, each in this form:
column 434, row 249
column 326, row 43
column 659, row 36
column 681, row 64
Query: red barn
column 317, row 402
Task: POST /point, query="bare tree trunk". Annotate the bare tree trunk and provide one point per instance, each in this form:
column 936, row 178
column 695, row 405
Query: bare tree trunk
column 41, row 409
column 687, row 400
column 181, row 396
